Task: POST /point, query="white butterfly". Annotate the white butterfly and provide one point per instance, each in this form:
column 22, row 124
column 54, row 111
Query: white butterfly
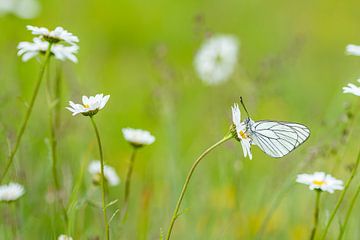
column 275, row 138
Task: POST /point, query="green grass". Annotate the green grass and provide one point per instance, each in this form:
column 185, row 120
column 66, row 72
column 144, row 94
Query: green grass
column 292, row 67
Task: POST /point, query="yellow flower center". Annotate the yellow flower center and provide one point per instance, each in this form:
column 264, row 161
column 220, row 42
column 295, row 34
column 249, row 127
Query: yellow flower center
column 319, row 182
column 243, row 135
column 86, row 106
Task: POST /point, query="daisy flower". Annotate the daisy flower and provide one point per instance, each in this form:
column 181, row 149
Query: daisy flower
column 11, row 192
column 241, row 134
column 21, row 8
column 320, row 181
column 90, row 105
column 64, row 237
column 29, row 50
column 54, row 36
column 216, row 59
column 352, row 49
column 138, row 137
column 351, row 88
column 109, row 172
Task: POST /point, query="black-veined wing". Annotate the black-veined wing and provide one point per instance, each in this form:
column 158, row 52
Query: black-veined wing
column 277, row 139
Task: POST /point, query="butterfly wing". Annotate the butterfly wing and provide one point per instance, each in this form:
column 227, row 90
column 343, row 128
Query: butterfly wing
column 277, row 139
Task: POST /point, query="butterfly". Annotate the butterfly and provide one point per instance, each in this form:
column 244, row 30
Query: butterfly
column 275, row 138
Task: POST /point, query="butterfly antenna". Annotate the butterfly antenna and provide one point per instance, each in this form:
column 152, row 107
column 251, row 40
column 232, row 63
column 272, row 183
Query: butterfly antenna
column 242, row 103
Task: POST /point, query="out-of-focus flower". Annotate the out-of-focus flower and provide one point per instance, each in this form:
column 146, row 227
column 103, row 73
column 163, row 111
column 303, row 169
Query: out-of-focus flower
column 21, row 8
column 320, row 181
column 29, row 50
column 352, row 49
column 216, row 59
column 138, row 137
column 109, row 173
column 64, row 237
column 90, row 106
column 352, row 88
column 11, row 192
column 240, row 128
column 54, row 36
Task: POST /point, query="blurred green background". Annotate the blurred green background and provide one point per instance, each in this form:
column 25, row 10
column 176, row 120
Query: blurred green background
column 291, row 67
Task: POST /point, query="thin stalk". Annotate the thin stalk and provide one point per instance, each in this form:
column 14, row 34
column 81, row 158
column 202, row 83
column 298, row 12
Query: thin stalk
column 28, row 113
column 53, row 102
column 348, row 213
column 107, row 230
column 192, row 169
column 128, row 183
column 341, row 198
column 316, row 214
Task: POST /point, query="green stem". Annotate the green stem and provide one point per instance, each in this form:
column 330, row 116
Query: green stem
column 54, row 122
column 341, row 198
column 128, row 182
column 316, row 214
column 348, row 213
column 107, row 230
column 192, row 169
column 27, row 115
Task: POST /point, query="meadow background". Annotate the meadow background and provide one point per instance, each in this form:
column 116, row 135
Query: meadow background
column 291, row 67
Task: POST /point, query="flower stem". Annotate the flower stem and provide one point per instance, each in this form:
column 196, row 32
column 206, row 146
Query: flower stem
column 28, row 113
column 341, row 198
column 127, row 183
column 192, row 169
column 348, row 213
column 316, row 214
column 53, row 101
column 107, row 230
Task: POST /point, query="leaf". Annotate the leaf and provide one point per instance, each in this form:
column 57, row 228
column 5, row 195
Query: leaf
column 112, row 203
column 114, row 214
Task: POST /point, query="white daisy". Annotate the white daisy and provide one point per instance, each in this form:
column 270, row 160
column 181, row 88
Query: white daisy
column 57, row 35
column 351, row 88
column 29, row 50
column 138, row 137
column 216, row 59
column 21, row 8
column 109, row 173
column 62, row 52
column 11, row 192
column 90, row 106
column 64, row 237
column 352, row 49
column 320, row 181
column 240, row 128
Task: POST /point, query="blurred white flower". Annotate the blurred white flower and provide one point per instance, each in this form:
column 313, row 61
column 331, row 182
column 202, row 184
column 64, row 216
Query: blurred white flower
column 62, row 52
column 57, row 35
column 109, row 173
column 138, row 137
column 29, row 50
column 22, row 8
column 240, row 128
column 90, row 105
column 216, row 59
column 320, row 181
column 11, row 192
column 64, row 237
column 352, row 49
column 352, row 88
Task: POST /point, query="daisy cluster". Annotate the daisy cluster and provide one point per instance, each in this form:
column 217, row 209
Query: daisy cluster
column 63, row 44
